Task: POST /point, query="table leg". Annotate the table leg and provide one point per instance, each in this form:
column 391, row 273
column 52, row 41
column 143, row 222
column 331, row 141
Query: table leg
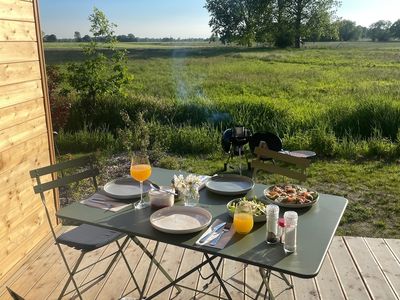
column 153, row 261
column 218, row 277
column 266, row 276
column 174, row 282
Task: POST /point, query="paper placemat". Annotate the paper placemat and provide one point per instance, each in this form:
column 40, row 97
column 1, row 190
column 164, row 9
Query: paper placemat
column 226, row 237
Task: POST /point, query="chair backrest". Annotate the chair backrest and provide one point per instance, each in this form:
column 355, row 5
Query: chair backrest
column 260, row 164
column 273, row 141
column 63, row 178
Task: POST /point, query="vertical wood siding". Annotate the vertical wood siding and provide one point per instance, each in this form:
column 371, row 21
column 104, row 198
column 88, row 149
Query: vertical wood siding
column 25, row 131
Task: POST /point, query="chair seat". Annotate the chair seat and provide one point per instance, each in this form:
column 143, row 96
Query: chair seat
column 88, row 237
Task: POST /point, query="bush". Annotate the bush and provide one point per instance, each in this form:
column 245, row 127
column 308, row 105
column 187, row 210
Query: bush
column 323, row 141
column 86, row 141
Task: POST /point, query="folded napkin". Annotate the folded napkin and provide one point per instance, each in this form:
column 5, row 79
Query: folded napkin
column 101, row 200
column 226, row 237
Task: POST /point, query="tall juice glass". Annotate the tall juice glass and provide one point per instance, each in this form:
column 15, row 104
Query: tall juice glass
column 243, row 218
column 140, row 171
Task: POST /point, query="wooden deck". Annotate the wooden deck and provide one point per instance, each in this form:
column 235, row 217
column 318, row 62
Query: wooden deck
column 355, row 268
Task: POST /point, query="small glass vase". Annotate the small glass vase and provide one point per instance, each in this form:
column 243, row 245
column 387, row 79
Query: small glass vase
column 192, row 196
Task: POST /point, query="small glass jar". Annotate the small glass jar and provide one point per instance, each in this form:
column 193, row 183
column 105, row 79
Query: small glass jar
column 272, row 214
column 291, row 218
column 192, row 196
column 159, row 198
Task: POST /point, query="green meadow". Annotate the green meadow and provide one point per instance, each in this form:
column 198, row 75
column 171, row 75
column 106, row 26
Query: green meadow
column 339, row 99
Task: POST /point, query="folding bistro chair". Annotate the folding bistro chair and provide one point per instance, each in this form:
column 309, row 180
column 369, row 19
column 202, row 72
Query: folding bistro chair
column 84, row 238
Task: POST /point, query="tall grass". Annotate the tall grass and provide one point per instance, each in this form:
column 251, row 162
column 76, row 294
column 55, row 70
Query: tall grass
column 335, row 100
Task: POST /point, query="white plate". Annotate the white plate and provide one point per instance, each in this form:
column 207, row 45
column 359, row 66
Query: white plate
column 289, row 205
column 125, row 188
column 180, row 219
column 230, row 184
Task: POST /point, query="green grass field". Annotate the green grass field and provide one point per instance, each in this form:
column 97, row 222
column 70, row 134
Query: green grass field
column 339, row 99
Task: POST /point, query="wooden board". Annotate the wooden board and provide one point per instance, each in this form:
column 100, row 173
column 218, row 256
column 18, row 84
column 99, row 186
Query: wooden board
column 20, row 113
column 327, row 282
column 14, row 94
column 233, row 273
column 171, row 260
column 13, row 52
column 19, row 72
column 190, row 259
column 16, row 10
column 120, row 278
column 374, row 279
column 44, row 276
column 394, row 246
column 24, row 119
column 305, row 289
column 17, row 31
column 12, row 136
column 348, row 275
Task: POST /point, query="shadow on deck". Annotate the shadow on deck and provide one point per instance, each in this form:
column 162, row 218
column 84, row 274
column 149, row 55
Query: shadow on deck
column 355, row 268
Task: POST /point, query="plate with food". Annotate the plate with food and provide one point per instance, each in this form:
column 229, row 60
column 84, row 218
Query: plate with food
column 258, row 207
column 291, row 195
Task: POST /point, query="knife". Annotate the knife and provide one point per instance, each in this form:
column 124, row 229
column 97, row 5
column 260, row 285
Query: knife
column 214, row 229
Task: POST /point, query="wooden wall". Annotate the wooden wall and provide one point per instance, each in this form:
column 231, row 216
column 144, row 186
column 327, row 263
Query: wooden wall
column 25, row 130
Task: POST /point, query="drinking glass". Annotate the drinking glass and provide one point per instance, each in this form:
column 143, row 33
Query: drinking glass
column 140, row 171
column 243, row 218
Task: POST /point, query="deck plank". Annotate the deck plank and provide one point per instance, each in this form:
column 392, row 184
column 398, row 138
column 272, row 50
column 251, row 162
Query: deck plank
column 280, row 289
column 170, row 261
column 327, row 282
column 190, row 259
column 54, row 274
column 79, row 278
column 305, row 289
column 369, row 269
column 40, row 255
column 394, row 246
column 252, row 282
column 142, row 268
column 349, row 259
column 347, row 272
column 116, row 282
column 233, row 273
column 387, row 262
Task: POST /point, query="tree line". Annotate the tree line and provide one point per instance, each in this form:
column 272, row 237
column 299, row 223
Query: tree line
column 285, row 23
column 120, row 38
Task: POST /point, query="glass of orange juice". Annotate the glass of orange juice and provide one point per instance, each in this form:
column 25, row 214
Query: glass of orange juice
column 243, row 218
column 140, row 171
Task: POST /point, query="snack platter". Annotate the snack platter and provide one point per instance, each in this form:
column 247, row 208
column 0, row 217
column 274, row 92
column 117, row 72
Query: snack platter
column 291, row 195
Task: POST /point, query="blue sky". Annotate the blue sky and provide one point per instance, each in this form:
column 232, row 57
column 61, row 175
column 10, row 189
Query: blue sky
column 175, row 18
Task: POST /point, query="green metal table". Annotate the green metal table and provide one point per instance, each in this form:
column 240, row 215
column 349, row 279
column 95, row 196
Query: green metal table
column 316, row 228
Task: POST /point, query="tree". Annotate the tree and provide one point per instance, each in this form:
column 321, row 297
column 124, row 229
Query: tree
column 348, row 31
column 304, row 12
column 86, row 38
column 50, row 38
column 77, row 36
column 395, row 29
column 99, row 75
column 239, row 21
column 380, row 31
column 285, row 22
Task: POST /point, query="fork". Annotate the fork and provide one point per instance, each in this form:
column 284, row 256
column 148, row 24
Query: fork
column 226, row 228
